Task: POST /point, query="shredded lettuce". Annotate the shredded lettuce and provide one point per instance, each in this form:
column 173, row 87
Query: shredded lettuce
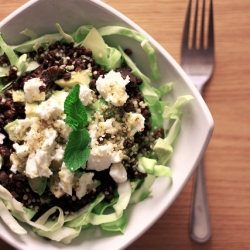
column 13, row 58
column 80, row 34
column 67, row 38
column 9, row 220
column 29, row 33
column 34, row 44
column 117, row 30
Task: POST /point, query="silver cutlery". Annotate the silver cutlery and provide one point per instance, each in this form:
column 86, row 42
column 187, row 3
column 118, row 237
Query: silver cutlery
column 197, row 60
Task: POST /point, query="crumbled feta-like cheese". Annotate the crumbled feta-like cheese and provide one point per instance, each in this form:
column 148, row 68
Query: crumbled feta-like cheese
column 38, row 164
column 113, row 88
column 66, row 179
column 135, row 123
column 22, row 151
column 17, row 164
column 86, row 95
column 118, row 172
column 49, row 109
column 48, row 139
column 62, row 128
column 102, row 156
column 2, row 137
column 110, row 126
column 83, row 183
column 32, row 90
column 93, row 128
column 57, row 154
column 17, row 130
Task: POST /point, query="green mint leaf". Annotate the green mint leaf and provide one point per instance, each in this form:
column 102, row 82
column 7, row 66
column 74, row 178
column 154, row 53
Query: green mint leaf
column 77, row 150
column 77, row 117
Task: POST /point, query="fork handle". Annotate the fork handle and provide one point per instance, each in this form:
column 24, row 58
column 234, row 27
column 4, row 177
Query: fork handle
column 199, row 227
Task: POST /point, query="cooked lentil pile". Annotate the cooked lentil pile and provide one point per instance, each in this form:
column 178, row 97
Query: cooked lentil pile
column 58, row 61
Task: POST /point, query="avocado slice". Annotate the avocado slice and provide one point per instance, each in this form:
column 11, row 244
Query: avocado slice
column 18, row 96
column 10, row 128
column 80, row 77
column 163, row 151
column 38, row 184
column 30, row 109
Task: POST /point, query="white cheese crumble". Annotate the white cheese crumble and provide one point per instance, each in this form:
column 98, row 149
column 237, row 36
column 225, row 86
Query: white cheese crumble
column 36, row 142
column 118, row 172
column 62, row 128
column 110, row 126
column 32, row 92
column 17, row 164
column 83, row 183
column 86, row 95
column 58, row 153
column 66, row 179
column 102, row 156
column 38, row 164
column 22, row 151
column 49, row 109
column 135, row 123
column 112, row 88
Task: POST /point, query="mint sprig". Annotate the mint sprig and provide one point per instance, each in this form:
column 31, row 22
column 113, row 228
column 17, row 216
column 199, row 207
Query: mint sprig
column 77, row 149
column 77, row 117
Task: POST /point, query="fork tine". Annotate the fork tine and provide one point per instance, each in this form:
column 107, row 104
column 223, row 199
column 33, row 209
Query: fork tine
column 195, row 26
column 202, row 25
column 186, row 27
column 211, row 27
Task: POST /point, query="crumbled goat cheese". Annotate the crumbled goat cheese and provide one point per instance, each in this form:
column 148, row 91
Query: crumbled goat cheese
column 62, row 128
column 2, row 136
column 113, row 88
column 135, row 123
column 57, row 154
column 32, row 90
column 83, row 183
column 19, row 128
column 36, row 140
column 38, row 164
column 86, row 95
column 66, row 179
column 22, row 151
column 49, row 109
column 110, row 126
column 17, row 164
column 118, row 172
column 101, row 157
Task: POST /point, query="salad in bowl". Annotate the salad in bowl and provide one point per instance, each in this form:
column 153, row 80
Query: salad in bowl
column 82, row 131
column 87, row 132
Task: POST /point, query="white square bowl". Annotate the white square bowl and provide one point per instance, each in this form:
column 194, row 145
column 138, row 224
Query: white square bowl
column 196, row 130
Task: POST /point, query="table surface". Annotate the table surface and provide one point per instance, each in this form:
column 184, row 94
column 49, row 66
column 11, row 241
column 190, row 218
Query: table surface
column 227, row 157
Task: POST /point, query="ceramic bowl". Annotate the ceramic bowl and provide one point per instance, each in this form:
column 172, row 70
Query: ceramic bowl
column 196, row 128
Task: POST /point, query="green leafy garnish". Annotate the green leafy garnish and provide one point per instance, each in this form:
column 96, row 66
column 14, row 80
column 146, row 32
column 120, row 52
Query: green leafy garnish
column 77, row 149
column 77, row 117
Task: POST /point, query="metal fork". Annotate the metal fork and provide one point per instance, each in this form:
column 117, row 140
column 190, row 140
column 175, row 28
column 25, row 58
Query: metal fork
column 198, row 63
